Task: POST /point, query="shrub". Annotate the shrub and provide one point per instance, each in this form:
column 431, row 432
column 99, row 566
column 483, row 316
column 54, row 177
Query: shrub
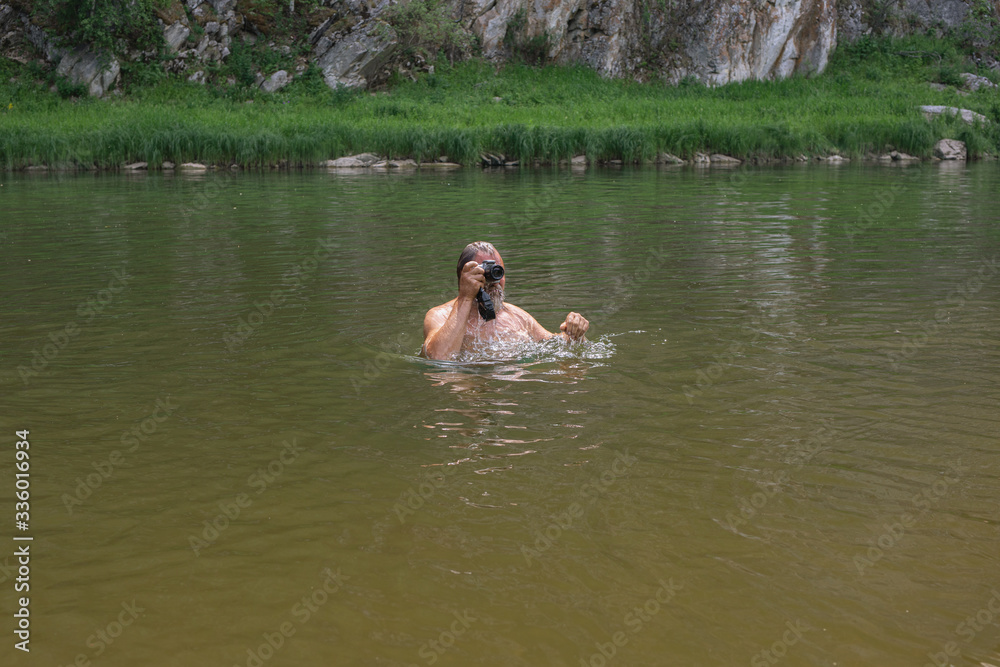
column 109, row 25
column 426, row 27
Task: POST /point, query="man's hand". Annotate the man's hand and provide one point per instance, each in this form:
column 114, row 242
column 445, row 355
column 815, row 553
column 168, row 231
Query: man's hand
column 472, row 279
column 575, row 326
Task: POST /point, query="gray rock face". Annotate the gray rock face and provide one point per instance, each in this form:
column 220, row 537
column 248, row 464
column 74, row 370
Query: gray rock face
column 736, row 41
column 276, row 81
column 970, row 117
column 855, row 18
column 950, row 149
column 356, row 58
column 85, row 67
column 949, row 12
column 717, row 41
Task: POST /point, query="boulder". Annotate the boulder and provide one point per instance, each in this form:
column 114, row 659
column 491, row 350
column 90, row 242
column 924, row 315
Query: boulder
column 197, row 77
column 719, row 158
column 136, row 166
column 353, row 161
column 175, row 35
column 395, row 164
column 970, row 117
column 668, row 158
column 193, row 166
column 356, row 58
column 974, row 83
column 439, row 165
column 950, row 149
column 276, row 81
column 903, row 157
column 82, row 66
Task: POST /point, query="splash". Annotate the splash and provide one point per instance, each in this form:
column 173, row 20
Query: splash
column 527, row 351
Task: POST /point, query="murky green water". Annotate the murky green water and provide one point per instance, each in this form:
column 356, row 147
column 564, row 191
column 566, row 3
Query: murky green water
column 783, row 438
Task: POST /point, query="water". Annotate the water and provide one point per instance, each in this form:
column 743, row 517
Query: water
column 782, row 435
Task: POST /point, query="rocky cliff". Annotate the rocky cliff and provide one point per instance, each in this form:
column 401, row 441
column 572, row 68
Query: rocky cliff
column 355, row 42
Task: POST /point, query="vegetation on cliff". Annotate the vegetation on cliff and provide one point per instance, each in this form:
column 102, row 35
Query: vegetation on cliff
column 867, row 101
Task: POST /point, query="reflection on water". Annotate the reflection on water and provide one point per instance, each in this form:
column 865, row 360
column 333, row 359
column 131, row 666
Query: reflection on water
column 784, row 427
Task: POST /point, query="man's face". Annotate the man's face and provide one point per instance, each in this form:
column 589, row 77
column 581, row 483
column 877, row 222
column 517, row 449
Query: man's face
column 495, row 290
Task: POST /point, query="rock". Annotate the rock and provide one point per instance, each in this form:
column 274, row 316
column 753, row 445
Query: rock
column 135, row 166
column 902, row 157
column 440, row 165
column 723, row 159
column 974, row 83
column 395, row 164
column 579, row 160
column 885, row 157
column 970, row 117
column 490, row 160
column 212, row 27
column 167, row 165
column 835, row 158
column 82, row 66
column 356, row 58
column 193, row 166
column 950, row 149
column 360, row 160
column 175, row 34
column 276, row 81
column 701, row 158
column 667, row 158
column 197, row 77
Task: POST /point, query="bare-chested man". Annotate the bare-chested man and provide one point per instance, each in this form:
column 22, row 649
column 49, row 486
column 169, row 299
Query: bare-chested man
column 456, row 326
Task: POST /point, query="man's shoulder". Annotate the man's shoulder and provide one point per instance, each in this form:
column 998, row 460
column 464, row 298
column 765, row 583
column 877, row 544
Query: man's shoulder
column 440, row 312
column 443, row 307
column 518, row 311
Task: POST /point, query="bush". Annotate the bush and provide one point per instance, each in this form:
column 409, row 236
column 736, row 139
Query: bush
column 426, row 27
column 113, row 26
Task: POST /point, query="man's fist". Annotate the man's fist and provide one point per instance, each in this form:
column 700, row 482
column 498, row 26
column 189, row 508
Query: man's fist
column 575, row 326
column 472, row 279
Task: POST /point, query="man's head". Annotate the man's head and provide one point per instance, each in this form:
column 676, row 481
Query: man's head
column 478, row 252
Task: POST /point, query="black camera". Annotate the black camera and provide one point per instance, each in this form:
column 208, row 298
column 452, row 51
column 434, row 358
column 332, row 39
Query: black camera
column 493, row 272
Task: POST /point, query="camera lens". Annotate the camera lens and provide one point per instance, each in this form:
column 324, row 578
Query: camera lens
column 496, row 273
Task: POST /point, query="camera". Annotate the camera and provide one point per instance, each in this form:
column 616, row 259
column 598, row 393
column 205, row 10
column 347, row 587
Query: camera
column 493, row 271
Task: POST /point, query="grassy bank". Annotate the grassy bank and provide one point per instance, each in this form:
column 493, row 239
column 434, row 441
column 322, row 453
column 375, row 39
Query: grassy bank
column 866, row 101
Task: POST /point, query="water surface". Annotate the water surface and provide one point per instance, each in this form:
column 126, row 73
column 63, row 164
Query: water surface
column 782, row 435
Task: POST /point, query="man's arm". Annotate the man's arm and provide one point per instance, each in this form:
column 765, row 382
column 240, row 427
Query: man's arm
column 572, row 329
column 444, row 330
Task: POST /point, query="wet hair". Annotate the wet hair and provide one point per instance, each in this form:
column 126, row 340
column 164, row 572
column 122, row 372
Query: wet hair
column 470, row 253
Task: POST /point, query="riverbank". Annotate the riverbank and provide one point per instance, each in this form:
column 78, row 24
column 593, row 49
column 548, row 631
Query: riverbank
column 867, row 103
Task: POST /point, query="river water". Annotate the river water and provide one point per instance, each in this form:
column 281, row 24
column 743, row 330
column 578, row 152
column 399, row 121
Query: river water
column 779, row 446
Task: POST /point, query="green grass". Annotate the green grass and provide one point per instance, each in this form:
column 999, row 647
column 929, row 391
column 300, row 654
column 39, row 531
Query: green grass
column 865, row 101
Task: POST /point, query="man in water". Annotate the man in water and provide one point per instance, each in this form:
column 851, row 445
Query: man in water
column 456, row 326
